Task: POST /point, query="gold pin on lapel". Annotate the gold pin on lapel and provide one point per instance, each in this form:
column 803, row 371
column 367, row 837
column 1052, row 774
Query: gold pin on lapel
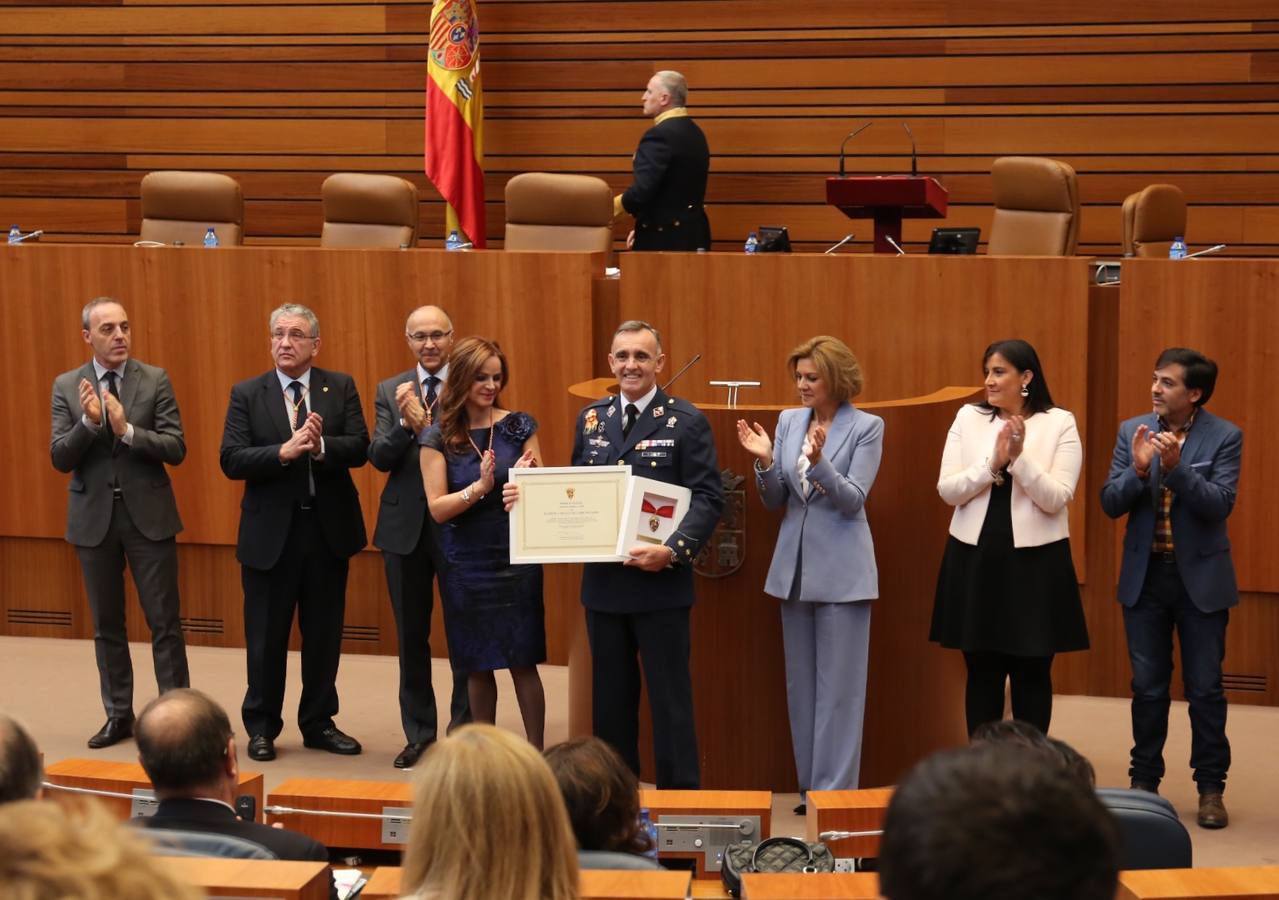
column 325, row 389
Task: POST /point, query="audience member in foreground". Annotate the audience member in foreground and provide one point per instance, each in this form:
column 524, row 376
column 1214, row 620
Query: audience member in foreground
column 186, row 746
column 54, row 851
column 1016, row 733
column 488, row 821
column 602, row 796
column 20, row 769
column 996, row 823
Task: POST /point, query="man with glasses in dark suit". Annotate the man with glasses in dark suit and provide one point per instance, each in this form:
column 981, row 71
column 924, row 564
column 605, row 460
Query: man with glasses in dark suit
column 407, row 404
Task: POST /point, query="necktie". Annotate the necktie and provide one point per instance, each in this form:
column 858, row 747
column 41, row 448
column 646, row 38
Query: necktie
column 430, row 382
column 299, row 408
column 632, row 413
column 111, row 386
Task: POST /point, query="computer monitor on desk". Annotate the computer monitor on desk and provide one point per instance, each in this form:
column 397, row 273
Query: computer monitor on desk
column 954, row 240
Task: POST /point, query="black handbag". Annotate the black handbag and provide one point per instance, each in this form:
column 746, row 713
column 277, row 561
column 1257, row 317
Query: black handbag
column 779, row 854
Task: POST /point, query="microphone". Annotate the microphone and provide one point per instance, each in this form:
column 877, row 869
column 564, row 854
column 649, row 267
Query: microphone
column 33, row 234
column 914, row 168
column 847, row 238
column 1213, row 249
column 676, row 376
column 852, row 134
column 896, row 246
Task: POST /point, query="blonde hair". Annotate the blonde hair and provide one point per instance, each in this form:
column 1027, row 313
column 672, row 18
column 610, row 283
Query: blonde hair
column 54, row 851
column 836, row 364
column 488, row 821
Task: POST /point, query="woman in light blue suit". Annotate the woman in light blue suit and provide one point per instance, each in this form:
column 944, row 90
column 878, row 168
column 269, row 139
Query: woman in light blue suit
column 820, row 469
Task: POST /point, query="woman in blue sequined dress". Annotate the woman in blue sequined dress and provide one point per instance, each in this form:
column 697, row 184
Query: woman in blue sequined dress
column 495, row 618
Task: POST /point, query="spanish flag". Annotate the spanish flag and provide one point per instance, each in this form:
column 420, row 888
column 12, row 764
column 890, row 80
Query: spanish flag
column 454, row 155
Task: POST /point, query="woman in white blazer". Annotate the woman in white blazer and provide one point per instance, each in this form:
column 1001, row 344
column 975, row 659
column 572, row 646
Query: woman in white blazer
column 820, row 469
column 1007, row 595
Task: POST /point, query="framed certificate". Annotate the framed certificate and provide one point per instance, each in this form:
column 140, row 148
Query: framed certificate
column 652, row 511
column 568, row 514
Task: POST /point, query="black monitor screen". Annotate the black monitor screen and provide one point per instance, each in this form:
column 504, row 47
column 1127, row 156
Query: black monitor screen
column 954, row 240
column 774, row 239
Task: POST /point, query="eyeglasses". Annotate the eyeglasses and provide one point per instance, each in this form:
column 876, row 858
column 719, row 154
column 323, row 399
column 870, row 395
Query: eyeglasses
column 423, row 337
column 293, row 336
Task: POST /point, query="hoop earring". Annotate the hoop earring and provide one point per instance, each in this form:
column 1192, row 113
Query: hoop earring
column 1025, row 391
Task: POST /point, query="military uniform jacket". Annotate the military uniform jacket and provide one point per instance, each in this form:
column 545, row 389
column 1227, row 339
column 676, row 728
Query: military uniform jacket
column 671, row 442
column 668, row 192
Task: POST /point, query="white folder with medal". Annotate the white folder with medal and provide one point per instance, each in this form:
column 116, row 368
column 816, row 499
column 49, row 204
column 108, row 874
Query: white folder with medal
column 651, row 513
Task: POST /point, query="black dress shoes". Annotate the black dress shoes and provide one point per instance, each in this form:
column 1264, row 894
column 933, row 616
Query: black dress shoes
column 116, row 730
column 410, row 754
column 261, row 748
column 332, row 740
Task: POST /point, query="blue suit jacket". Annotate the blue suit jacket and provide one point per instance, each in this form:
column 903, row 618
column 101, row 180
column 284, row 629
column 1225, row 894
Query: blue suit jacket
column 838, row 558
column 1203, row 485
column 688, row 460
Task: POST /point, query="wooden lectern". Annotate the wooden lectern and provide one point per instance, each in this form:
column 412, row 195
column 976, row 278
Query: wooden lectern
column 887, row 199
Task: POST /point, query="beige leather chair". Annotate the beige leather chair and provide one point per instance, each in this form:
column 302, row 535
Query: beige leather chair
column 551, row 211
column 369, row 211
column 1153, row 218
column 1036, row 208
column 180, row 206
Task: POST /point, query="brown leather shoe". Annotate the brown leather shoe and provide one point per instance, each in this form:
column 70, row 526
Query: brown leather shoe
column 1212, row 811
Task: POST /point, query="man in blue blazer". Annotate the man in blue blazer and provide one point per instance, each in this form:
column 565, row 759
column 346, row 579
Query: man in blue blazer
column 642, row 606
column 1174, row 473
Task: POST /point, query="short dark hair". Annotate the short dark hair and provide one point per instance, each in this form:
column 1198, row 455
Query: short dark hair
column 20, row 770
column 187, row 748
column 1200, row 371
column 996, row 823
column 1020, row 734
column 1022, row 356
column 601, row 794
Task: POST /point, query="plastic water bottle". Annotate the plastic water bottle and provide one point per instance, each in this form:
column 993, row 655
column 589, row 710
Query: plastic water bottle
column 210, row 237
column 752, row 243
column 454, row 241
column 14, row 233
column 1178, row 248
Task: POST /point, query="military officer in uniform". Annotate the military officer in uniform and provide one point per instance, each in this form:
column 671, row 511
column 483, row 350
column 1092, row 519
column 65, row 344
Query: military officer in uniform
column 637, row 612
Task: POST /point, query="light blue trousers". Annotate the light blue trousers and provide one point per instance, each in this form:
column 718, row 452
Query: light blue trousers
column 827, row 646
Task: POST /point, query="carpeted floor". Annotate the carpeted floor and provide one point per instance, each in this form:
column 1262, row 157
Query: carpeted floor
column 51, row 686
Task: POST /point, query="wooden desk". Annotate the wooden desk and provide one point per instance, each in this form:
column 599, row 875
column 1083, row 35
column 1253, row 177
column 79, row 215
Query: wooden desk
column 253, row 877
column 848, row 811
column 596, row 884
column 337, row 795
column 811, row 886
column 706, row 803
column 123, row 778
column 1252, row 882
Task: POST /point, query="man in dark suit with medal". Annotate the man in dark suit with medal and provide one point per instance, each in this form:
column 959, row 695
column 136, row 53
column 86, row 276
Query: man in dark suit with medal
column 115, row 427
column 671, row 165
column 406, row 405
column 640, row 608
column 292, row 436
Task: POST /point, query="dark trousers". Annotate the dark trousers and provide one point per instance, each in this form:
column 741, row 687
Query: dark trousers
column 409, row 579
column 1163, row 607
column 154, row 566
column 310, row 579
column 661, row 642
column 1031, row 686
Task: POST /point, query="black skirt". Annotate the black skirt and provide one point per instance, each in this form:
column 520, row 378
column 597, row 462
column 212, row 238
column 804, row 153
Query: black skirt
column 1023, row 601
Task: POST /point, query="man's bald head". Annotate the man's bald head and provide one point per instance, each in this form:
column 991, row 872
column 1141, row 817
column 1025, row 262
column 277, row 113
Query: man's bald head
column 183, row 739
column 429, row 331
